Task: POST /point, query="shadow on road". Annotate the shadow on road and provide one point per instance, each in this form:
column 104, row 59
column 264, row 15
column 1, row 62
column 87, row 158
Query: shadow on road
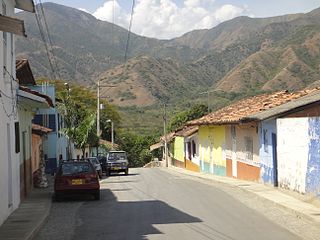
column 110, row 219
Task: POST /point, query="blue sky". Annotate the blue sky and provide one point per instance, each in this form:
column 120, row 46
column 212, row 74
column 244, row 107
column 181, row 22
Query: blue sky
column 171, row 18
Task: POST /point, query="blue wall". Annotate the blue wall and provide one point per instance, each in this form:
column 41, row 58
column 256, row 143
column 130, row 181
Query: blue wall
column 266, row 129
column 313, row 167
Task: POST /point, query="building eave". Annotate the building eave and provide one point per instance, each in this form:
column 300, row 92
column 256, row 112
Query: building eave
column 26, row 5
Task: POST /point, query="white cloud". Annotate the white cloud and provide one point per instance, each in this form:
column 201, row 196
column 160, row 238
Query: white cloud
column 227, row 12
column 84, row 10
column 165, row 19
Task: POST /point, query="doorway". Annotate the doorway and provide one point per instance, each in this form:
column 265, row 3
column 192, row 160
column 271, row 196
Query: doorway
column 275, row 160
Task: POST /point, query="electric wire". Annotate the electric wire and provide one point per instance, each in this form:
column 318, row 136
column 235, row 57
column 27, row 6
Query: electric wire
column 53, row 75
column 129, row 32
column 49, row 38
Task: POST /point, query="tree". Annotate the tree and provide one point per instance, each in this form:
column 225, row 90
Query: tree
column 181, row 118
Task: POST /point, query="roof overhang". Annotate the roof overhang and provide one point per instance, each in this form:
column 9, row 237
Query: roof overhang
column 156, row 146
column 26, row 5
column 40, row 130
column 12, row 25
column 33, row 99
column 24, row 73
column 287, row 108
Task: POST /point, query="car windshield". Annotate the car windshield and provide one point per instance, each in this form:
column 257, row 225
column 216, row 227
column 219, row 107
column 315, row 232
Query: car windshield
column 75, row 168
column 114, row 156
column 94, row 161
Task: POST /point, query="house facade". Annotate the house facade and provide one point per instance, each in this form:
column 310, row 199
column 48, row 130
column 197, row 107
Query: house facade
column 55, row 146
column 289, row 144
column 28, row 102
column 9, row 121
column 235, row 143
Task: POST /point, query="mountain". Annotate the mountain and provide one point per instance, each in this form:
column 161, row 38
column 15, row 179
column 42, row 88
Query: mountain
column 239, row 57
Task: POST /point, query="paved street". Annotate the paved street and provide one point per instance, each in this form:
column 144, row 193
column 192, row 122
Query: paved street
column 156, row 204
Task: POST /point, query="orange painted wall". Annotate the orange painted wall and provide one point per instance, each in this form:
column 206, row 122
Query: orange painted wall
column 35, row 152
column 248, row 172
column 229, row 167
column 192, row 166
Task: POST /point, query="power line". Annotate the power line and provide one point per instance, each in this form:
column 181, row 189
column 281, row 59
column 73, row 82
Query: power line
column 49, row 37
column 129, row 31
column 44, row 42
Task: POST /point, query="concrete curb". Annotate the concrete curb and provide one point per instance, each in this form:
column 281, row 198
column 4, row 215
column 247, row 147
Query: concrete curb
column 42, row 220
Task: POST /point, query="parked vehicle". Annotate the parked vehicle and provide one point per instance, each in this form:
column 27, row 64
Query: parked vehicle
column 95, row 162
column 76, row 177
column 117, row 162
column 103, row 162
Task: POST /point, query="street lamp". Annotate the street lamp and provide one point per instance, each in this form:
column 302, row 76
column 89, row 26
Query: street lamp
column 112, row 133
column 66, row 111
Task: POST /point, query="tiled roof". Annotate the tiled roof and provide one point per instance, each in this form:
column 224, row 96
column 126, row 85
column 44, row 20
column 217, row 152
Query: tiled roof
column 24, row 73
column 239, row 111
column 40, row 129
column 187, row 131
column 46, row 97
column 170, row 136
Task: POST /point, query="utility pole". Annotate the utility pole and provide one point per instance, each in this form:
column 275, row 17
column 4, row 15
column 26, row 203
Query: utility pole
column 165, row 135
column 98, row 115
column 208, row 98
column 98, row 109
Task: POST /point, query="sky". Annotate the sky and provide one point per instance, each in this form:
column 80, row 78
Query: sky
column 166, row 19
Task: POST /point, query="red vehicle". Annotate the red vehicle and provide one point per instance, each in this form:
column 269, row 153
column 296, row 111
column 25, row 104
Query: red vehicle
column 76, row 177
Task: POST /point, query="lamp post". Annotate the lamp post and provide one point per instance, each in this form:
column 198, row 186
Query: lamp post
column 112, row 133
column 98, row 110
column 67, row 103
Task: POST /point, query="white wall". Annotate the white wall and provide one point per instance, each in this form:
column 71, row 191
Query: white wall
column 8, row 115
column 293, row 149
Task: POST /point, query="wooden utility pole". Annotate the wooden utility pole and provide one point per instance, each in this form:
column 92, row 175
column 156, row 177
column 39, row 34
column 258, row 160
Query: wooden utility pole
column 165, row 135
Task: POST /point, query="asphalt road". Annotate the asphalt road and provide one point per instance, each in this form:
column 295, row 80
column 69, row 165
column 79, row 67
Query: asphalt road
column 155, row 204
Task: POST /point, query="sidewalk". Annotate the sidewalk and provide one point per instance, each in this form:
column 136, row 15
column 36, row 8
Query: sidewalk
column 286, row 201
column 24, row 222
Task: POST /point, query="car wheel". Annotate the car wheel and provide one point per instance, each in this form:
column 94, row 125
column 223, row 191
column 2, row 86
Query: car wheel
column 57, row 197
column 97, row 195
column 126, row 171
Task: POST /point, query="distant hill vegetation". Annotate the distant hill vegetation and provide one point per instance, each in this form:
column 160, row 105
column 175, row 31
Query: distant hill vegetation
column 239, row 57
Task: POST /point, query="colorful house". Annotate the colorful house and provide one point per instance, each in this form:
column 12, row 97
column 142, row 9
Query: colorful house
column 55, row 145
column 28, row 103
column 229, row 138
column 289, row 144
column 186, row 148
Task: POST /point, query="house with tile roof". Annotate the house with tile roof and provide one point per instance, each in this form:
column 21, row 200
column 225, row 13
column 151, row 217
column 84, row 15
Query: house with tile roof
column 230, row 138
column 185, row 153
column 290, row 143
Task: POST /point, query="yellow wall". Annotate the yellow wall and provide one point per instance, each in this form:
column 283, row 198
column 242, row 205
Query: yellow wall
column 179, row 148
column 211, row 145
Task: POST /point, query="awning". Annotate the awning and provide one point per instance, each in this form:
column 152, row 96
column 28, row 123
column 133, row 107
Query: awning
column 26, row 5
column 156, row 146
column 12, row 25
column 33, row 99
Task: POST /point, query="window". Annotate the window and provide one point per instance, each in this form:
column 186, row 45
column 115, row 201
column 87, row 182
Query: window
column 38, row 119
column 17, row 136
column 194, row 148
column 249, row 148
column 265, row 140
column 52, row 122
column 233, row 131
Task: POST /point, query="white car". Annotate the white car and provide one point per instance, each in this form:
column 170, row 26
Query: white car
column 95, row 162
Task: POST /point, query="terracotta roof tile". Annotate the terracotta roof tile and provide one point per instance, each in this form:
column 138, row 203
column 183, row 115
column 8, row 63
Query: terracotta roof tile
column 238, row 111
